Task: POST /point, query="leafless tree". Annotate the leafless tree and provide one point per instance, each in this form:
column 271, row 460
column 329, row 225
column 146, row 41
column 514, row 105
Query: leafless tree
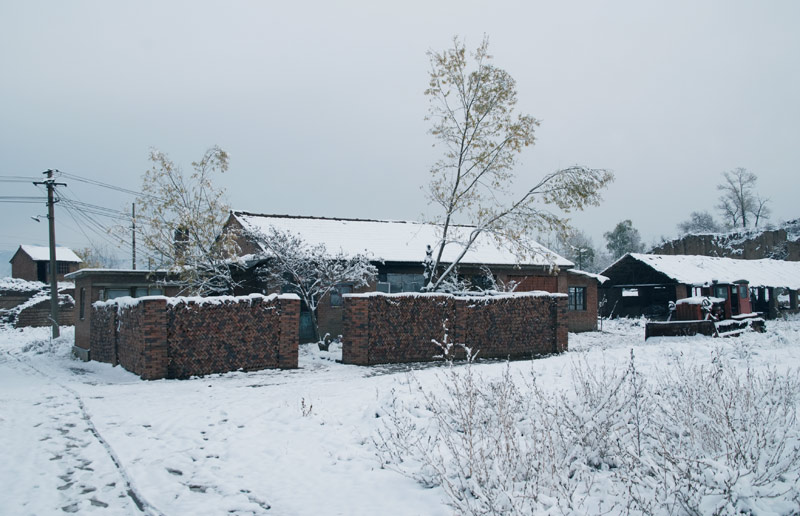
column 181, row 219
column 738, row 200
column 472, row 109
column 699, row 222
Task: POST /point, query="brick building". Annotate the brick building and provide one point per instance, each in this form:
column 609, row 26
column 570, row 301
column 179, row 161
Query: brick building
column 32, row 263
column 398, row 250
column 104, row 284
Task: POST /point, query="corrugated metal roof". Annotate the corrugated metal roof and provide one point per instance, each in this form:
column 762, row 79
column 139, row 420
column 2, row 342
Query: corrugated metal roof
column 391, row 241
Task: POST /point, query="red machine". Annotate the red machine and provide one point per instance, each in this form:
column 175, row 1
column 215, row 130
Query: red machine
column 728, row 300
column 721, row 310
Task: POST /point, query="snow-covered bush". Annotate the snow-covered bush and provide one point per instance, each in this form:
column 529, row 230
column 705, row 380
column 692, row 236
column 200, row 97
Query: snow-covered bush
column 686, row 440
column 724, row 441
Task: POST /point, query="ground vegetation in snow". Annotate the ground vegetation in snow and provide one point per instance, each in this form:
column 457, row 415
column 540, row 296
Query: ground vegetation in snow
column 593, row 430
column 716, row 437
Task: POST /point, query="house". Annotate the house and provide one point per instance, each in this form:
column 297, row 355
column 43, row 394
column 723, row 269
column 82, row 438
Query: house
column 398, row 250
column 644, row 284
column 32, row 263
column 103, row 284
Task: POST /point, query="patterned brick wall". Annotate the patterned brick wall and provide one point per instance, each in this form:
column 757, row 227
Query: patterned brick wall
column 103, row 336
column 182, row 337
column 391, row 328
column 39, row 314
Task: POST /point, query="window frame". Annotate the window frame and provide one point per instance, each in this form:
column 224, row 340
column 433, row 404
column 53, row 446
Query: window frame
column 576, row 299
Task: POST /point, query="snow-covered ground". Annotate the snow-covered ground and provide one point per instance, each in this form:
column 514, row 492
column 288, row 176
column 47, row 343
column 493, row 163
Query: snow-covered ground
column 95, row 439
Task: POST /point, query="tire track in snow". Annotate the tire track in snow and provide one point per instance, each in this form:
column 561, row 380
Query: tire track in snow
column 132, row 492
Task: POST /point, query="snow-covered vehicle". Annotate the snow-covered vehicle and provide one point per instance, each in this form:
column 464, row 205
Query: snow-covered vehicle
column 720, row 310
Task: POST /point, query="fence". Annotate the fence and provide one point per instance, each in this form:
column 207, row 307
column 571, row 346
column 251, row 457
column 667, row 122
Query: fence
column 158, row 337
column 390, row 328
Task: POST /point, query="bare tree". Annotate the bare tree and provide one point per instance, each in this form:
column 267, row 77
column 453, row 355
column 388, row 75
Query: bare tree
column 181, row 219
column 97, row 257
column 699, row 222
column 473, row 114
column 310, row 271
column 761, row 211
column 577, row 247
column 738, row 199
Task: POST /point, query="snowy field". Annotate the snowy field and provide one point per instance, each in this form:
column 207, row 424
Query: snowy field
column 89, row 438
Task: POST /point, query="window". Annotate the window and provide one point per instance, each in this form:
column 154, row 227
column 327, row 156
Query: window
column 721, row 291
column 62, row 267
column 113, row 293
column 83, row 303
column 577, row 299
column 336, row 294
column 405, row 282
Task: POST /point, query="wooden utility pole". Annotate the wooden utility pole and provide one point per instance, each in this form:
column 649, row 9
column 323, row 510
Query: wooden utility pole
column 51, row 217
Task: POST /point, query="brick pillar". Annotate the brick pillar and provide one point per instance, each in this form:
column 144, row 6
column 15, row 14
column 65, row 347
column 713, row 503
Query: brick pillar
column 289, row 338
column 355, row 341
column 559, row 308
column 155, row 357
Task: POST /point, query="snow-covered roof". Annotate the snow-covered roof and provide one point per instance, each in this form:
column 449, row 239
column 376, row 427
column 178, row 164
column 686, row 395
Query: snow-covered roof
column 599, row 277
column 700, row 270
column 40, row 253
column 391, row 241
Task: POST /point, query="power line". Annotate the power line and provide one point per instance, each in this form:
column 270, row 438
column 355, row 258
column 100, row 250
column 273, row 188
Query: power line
column 107, row 185
column 16, row 179
column 22, row 199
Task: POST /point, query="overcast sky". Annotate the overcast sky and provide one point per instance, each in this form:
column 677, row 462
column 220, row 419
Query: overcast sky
column 321, row 105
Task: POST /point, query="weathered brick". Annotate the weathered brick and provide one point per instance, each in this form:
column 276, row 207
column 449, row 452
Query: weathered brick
column 406, row 328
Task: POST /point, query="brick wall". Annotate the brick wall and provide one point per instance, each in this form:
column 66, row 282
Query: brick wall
column 102, row 341
column 23, row 267
column 38, row 315
column 181, row 337
column 390, row 328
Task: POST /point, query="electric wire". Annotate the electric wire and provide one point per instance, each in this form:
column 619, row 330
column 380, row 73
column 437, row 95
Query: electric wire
column 106, row 185
column 77, row 210
column 22, row 199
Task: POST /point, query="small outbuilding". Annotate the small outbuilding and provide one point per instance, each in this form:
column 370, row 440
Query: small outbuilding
column 93, row 285
column 644, row 284
column 32, row 263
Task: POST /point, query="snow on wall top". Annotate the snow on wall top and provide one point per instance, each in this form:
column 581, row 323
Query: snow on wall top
column 40, row 253
column 700, row 270
column 391, row 241
column 21, row 285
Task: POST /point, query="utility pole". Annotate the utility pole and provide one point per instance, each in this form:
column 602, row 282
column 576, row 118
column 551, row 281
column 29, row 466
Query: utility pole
column 133, row 234
column 51, row 217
